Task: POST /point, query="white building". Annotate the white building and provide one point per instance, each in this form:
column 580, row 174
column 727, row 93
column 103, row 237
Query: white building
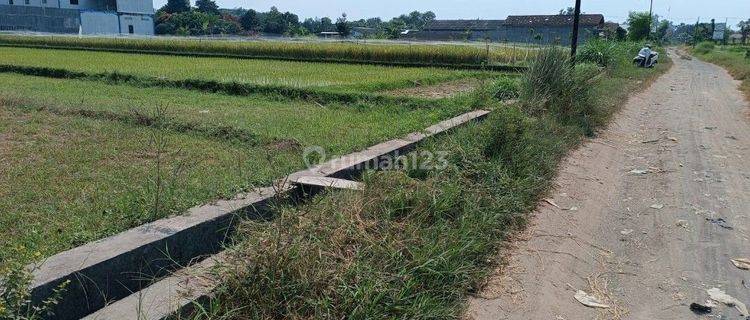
column 78, row 16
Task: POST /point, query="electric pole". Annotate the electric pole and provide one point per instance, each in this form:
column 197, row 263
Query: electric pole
column 574, row 40
column 651, row 10
column 695, row 31
column 651, row 19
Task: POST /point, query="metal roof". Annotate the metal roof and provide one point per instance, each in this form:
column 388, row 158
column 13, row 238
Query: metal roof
column 463, row 25
column 553, row 20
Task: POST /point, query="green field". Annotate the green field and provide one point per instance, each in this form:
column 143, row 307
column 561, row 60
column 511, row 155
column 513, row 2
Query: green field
column 70, row 180
column 345, row 77
column 78, row 166
column 422, row 54
column 263, row 119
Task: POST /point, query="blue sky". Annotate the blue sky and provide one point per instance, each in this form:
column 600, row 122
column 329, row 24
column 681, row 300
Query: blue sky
column 616, row 10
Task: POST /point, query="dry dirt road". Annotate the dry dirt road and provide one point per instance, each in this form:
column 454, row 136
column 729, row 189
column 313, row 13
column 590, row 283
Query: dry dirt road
column 630, row 225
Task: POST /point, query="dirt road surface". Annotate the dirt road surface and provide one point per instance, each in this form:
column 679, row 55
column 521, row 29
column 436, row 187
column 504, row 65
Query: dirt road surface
column 629, row 221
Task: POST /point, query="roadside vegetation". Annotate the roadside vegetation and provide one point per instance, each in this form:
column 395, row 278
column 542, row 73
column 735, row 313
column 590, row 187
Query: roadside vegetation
column 736, row 59
column 418, row 240
column 391, row 54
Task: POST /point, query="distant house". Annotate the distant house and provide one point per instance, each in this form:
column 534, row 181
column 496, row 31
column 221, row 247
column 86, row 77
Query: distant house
column 735, row 38
column 363, row 32
column 612, row 30
column 552, row 29
column 329, row 35
column 542, row 29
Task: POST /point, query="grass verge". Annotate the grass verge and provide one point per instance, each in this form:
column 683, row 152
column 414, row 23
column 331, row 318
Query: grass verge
column 421, row 238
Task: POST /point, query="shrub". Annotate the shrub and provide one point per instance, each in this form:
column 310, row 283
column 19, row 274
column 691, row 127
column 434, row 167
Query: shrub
column 704, row 47
column 504, row 89
column 598, row 51
column 15, row 296
column 552, row 85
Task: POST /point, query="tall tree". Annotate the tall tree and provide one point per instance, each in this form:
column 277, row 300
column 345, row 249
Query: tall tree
column 662, row 30
column 744, row 30
column 207, row 6
column 428, row 17
column 176, row 6
column 639, row 26
column 342, row 26
column 326, row 24
column 312, row 25
column 373, row 22
column 273, row 22
column 250, row 21
column 569, row 11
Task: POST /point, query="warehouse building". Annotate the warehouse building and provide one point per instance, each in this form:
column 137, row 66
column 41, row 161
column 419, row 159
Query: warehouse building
column 542, row 29
column 552, row 29
column 78, row 16
column 461, row 30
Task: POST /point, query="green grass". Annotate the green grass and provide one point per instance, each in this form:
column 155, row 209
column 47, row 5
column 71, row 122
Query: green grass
column 78, row 165
column 735, row 59
column 70, row 180
column 256, row 120
column 306, row 51
column 417, row 242
column 344, row 77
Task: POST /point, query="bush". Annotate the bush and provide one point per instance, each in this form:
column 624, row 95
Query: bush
column 598, row 51
column 704, row 47
column 165, row 28
column 15, row 296
column 504, row 89
column 552, row 85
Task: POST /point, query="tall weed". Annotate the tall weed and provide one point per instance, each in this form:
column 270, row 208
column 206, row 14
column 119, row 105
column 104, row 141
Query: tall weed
column 704, row 47
column 552, row 85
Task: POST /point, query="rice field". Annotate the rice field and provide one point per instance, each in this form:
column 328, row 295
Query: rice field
column 422, row 54
column 82, row 156
column 79, row 158
column 345, row 77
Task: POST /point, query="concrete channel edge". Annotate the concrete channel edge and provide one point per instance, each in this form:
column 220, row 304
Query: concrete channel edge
column 118, row 271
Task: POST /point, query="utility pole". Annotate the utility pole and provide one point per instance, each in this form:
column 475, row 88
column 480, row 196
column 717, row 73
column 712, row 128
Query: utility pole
column 695, row 31
column 651, row 20
column 651, row 10
column 574, row 40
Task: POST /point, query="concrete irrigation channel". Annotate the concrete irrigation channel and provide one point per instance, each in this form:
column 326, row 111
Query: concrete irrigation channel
column 113, row 278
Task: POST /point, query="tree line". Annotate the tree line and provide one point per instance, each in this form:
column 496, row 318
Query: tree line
column 643, row 26
column 178, row 17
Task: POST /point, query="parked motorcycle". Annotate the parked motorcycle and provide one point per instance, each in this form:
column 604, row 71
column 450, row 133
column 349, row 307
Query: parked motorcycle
column 646, row 58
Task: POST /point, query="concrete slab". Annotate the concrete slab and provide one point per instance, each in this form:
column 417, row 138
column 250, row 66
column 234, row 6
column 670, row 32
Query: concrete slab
column 325, row 182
